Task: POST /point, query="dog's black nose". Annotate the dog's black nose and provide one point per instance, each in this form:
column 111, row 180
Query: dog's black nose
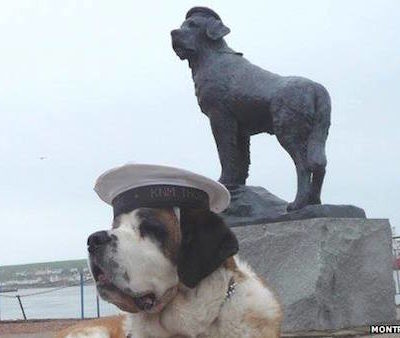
column 174, row 32
column 97, row 239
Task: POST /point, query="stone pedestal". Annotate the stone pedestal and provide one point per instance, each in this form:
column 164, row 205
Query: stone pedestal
column 329, row 273
column 257, row 205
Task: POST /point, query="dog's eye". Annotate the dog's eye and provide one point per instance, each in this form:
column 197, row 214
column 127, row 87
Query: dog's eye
column 155, row 229
column 192, row 24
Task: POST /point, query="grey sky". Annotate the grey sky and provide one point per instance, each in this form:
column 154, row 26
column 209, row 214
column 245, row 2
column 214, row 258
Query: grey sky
column 94, row 84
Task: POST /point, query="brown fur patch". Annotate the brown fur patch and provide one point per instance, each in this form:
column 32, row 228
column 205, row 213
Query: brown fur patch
column 114, row 326
column 168, row 217
column 231, row 265
column 266, row 328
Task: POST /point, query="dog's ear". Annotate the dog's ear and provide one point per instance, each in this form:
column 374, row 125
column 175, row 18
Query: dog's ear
column 206, row 243
column 216, row 29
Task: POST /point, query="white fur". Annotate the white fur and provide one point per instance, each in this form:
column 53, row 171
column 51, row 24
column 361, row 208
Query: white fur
column 202, row 312
column 91, row 332
column 142, row 259
column 177, row 212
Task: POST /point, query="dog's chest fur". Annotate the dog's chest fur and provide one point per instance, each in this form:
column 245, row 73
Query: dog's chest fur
column 225, row 84
column 214, row 80
column 205, row 312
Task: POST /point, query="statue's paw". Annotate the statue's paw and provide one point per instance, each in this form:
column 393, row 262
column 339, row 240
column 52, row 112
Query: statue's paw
column 295, row 205
column 314, row 200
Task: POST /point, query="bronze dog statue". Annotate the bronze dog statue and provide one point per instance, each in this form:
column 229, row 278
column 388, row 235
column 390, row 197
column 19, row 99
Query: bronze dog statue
column 242, row 99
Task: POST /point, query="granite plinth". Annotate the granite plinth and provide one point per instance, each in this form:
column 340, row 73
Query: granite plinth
column 329, row 273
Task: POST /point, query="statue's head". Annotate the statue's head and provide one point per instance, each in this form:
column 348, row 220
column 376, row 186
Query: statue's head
column 201, row 29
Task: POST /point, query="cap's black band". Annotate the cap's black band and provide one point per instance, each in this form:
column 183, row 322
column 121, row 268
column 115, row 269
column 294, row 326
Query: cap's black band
column 159, row 196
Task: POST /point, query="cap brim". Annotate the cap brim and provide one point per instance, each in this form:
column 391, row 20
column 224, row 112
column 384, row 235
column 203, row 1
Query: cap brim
column 117, row 180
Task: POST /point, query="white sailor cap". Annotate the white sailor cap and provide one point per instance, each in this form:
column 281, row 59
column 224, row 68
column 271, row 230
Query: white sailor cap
column 132, row 186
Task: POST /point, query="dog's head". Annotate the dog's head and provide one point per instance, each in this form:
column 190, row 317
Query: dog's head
column 202, row 29
column 138, row 264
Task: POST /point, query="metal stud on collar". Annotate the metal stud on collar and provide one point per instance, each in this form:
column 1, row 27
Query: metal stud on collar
column 231, row 289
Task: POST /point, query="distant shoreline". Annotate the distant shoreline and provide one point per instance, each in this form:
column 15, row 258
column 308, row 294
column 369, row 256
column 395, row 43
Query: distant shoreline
column 44, row 275
column 43, row 286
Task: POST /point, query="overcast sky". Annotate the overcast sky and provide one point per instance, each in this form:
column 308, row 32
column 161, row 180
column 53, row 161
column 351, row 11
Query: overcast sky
column 88, row 85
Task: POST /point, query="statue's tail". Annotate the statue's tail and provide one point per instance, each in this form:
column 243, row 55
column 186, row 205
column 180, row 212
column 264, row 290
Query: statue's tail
column 316, row 157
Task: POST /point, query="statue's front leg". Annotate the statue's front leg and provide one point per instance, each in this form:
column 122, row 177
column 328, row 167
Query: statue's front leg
column 303, row 188
column 233, row 149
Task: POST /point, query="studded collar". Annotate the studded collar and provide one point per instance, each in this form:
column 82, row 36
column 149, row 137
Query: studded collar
column 231, row 290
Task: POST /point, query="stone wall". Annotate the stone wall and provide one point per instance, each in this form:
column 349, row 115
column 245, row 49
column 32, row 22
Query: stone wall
column 329, row 273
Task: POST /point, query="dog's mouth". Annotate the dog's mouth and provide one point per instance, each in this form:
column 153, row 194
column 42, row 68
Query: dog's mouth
column 126, row 299
column 181, row 51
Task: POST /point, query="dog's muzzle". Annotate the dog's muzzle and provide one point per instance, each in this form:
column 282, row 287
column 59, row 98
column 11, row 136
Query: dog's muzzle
column 97, row 239
column 109, row 289
column 145, row 302
column 176, row 34
column 179, row 46
column 125, row 298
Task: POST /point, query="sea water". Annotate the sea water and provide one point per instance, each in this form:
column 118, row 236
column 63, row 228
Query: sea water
column 53, row 303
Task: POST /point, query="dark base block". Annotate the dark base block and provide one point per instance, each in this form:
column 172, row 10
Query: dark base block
column 255, row 205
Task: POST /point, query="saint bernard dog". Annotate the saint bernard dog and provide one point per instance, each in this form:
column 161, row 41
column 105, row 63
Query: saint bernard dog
column 174, row 273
